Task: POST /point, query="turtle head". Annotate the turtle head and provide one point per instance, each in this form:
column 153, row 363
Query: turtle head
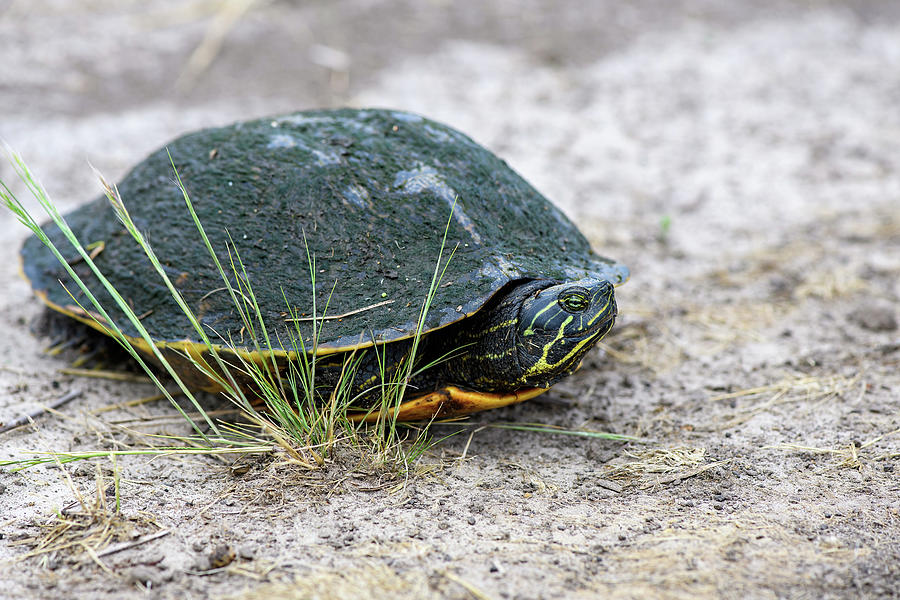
column 534, row 336
column 558, row 325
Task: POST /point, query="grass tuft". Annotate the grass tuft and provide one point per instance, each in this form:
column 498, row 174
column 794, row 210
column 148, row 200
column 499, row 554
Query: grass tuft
column 298, row 421
column 90, row 528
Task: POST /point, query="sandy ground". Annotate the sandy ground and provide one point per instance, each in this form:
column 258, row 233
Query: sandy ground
column 742, row 158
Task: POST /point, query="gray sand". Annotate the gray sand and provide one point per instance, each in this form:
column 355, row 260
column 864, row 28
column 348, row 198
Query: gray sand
column 767, row 138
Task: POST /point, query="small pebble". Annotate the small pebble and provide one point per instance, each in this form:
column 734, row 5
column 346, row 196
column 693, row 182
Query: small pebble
column 239, row 470
column 221, row 556
column 143, row 575
column 875, row 316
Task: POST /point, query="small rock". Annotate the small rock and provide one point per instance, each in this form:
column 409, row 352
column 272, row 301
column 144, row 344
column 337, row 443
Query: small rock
column 221, row 556
column 143, row 575
column 875, row 316
column 200, row 564
column 609, row 485
column 152, row 558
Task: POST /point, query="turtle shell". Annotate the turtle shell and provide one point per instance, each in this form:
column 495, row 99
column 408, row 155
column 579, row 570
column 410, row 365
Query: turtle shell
column 364, row 196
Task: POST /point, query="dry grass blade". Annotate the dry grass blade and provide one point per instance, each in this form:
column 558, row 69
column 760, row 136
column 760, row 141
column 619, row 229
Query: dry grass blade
column 657, row 461
column 133, row 543
column 370, row 579
column 646, row 344
column 830, row 284
column 102, row 374
column 132, row 403
column 724, row 324
column 340, row 316
column 657, row 466
column 89, row 531
column 68, row 397
column 662, row 339
column 469, row 587
column 851, row 455
column 848, row 453
column 793, row 387
column 798, row 387
column 877, row 439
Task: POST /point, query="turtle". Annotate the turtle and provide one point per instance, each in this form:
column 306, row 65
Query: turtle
column 372, row 198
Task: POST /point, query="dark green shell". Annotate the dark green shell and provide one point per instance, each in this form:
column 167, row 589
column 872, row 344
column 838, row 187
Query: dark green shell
column 369, row 191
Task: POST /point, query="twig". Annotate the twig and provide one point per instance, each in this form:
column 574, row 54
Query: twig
column 684, row 474
column 207, row 572
column 87, row 314
column 346, row 314
column 469, row 442
column 136, row 402
column 126, row 545
column 26, row 419
column 101, row 374
column 223, row 289
column 205, row 53
column 468, row 586
column 90, row 552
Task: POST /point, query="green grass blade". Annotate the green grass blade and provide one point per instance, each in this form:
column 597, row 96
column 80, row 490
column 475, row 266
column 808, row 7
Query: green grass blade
column 13, row 203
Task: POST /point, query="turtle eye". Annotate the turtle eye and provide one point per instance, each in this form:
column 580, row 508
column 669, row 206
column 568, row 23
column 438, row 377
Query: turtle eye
column 574, row 299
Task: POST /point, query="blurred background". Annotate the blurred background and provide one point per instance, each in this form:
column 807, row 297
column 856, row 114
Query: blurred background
column 622, row 112
column 679, row 134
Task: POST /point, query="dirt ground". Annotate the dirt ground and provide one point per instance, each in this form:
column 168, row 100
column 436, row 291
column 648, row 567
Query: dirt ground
column 742, row 158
